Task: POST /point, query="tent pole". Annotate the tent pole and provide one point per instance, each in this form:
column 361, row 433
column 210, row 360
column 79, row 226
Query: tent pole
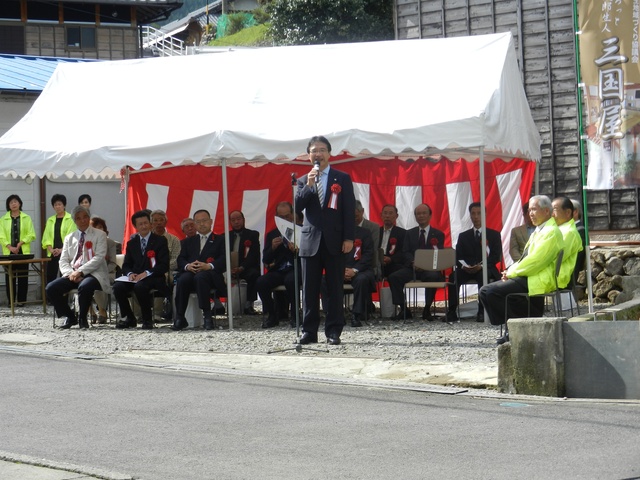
column 579, row 97
column 483, row 217
column 227, row 242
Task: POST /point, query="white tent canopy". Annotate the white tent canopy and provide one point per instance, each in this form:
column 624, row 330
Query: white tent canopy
column 414, row 96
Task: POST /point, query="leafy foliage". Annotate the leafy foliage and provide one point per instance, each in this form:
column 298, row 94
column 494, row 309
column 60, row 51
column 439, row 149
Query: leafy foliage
column 248, row 37
column 306, row 22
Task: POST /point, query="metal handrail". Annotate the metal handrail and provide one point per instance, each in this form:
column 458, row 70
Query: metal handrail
column 165, row 45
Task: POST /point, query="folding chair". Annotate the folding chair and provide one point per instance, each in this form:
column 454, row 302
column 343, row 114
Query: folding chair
column 71, row 297
column 431, row 260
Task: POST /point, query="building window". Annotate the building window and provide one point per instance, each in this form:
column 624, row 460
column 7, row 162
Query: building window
column 12, row 39
column 9, row 10
column 81, row 38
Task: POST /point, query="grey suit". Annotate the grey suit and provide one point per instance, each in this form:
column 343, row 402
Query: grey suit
column 93, row 267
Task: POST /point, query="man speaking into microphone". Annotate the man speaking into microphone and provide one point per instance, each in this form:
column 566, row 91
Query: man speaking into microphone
column 325, row 195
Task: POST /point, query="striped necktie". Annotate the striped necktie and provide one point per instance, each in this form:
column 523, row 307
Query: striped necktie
column 320, row 189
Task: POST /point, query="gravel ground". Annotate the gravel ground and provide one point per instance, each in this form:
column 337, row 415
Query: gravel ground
column 420, row 341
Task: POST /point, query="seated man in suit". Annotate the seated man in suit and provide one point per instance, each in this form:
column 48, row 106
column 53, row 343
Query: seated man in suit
column 374, row 230
column 533, row 274
column 201, row 265
column 520, row 235
column 146, row 263
column 422, row 236
column 469, row 261
column 159, row 227
column 82, row 266
column 278, row 258
column 359, row 273
column 562, row 211
column 247, row 243
column 391, row 241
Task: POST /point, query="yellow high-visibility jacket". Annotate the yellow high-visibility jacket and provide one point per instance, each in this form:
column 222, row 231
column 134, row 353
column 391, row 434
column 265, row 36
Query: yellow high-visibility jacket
column 539, row 265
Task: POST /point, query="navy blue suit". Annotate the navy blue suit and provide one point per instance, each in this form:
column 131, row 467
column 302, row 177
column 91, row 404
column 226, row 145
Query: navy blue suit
column 279, row 264
column 137, row 262
column 323, row 232
column 397, row 257
column 202, row 282
column 406, row 274
column 250, row 263
column 470, row 250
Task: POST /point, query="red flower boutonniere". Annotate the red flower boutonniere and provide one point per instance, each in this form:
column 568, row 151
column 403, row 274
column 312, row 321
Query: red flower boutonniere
column 89, row 246
column 151, row 255
column 434, row 243
column 210, row 260
column 247, row 246
column 335, row 191
column 392, row 242
column 358, row 250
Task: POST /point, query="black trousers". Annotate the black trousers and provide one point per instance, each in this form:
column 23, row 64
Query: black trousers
column 22, row 281
column 142, row 290
column 202, row 283
column 59, row 287
column 493, row 298
column 271, row 280
column 312, row 280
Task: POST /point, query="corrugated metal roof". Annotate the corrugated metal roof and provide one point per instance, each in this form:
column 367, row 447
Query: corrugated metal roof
column 29, row 74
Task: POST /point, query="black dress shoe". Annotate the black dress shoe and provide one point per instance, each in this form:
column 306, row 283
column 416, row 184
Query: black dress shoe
column 68, row 323
column 208, row 323
column 426, row 314
column 126, row 323
column 401, row 314
column 83, row 323
column 179, row 325
column 333, row 340
column 355, row 320
column 503, row 339
column 147, row 326
column 308, row 338
column 270, row 322
column 452, row 317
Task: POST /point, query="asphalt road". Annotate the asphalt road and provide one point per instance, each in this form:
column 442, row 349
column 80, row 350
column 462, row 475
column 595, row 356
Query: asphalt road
column 155, row 424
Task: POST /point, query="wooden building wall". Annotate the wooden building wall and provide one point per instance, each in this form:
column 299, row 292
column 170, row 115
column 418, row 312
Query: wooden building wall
column 545, row 43
column 112, row 43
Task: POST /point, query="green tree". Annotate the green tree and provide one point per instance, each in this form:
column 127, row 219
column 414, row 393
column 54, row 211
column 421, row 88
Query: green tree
column 306, row 22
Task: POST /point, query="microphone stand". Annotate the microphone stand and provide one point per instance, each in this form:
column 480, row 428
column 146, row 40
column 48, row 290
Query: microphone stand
column 298, row 346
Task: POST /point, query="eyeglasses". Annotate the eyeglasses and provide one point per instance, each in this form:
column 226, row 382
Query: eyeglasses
column 319, row 150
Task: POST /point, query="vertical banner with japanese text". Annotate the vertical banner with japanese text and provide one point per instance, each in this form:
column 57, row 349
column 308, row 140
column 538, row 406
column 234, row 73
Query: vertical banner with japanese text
column 611, row 76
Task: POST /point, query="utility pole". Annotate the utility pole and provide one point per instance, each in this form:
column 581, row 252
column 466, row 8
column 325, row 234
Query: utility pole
column 224, row 7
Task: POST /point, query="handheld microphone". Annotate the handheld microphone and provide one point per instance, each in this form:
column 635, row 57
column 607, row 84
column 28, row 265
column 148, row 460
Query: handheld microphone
column 316, row 165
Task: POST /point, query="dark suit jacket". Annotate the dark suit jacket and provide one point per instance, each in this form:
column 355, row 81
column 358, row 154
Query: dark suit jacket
column 213, row 249
column 398, row 234
column 334, row 225
column 273, row 259
column 411, row 240
column 250, row 261
column 469, row 250
column 136, row 262
column 365, row 262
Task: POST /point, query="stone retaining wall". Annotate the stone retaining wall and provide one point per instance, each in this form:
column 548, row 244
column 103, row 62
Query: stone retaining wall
column 615, row 272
